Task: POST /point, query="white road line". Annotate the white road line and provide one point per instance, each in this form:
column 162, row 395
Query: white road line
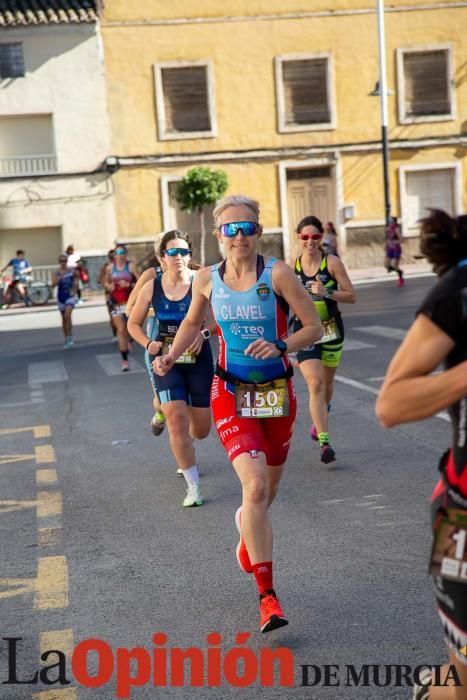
column 371, row 390
column 21, row 403
column 350, row 344
column 111, row 364
column 383, row 332
column 47, row 372
column 357, row 385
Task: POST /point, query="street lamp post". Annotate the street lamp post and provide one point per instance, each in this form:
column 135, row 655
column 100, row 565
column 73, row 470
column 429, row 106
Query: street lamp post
column 383, row 92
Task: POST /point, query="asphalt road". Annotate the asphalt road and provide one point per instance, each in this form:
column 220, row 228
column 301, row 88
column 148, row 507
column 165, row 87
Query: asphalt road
column 95, row 543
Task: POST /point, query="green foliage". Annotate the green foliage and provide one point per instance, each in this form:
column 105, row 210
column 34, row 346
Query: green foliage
column 201, row 187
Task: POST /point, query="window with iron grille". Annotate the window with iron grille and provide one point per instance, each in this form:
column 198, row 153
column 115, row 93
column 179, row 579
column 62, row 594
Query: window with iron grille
column 306, row 99
column 186, row 104
column 11, row 61
column 426, row 83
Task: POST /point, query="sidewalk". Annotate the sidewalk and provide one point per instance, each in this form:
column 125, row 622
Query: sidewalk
column 358, row 276
column 380, row 274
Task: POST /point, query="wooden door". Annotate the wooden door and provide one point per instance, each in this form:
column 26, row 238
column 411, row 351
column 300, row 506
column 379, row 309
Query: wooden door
column 314, row 196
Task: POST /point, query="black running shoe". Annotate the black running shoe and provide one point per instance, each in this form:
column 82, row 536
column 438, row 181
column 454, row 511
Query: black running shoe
column 327, row 453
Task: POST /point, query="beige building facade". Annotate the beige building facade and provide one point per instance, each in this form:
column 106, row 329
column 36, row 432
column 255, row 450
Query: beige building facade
column 278, row 96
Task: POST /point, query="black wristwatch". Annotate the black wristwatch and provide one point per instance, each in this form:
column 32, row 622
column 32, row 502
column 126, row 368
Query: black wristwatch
column 206, row 333
column 281, row 346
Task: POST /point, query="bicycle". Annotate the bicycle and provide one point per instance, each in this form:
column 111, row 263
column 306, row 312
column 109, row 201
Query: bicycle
column 37, row 293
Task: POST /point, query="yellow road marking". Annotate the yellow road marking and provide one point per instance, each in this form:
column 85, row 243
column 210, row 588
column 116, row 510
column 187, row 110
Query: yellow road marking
column 39, row 431
column 44, row 454
column 46, row 476
column 17, row 586
column 57, row 639
column 49, row 536
column 11, row 506
column 63, row 694
column 49, row 503
column 9, row 459
column 52, row 583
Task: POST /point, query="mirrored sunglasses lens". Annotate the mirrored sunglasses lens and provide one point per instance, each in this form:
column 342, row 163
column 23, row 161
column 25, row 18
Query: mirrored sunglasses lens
column 247, row 228
column 172, row 252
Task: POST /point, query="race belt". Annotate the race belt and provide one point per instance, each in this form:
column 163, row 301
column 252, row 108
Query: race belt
column 449, row 553
column 188, row 358
column 331, row 332
column 259, row 400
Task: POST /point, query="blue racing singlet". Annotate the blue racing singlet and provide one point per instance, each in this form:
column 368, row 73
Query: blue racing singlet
column 66, row 285
column 243, row 317
column 169, row 314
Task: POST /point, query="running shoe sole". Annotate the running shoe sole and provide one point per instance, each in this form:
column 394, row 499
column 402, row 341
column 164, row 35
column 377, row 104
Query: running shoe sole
column 274, row 623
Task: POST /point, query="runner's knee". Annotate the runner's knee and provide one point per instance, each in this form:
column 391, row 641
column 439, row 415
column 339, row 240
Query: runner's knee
column 255, row 490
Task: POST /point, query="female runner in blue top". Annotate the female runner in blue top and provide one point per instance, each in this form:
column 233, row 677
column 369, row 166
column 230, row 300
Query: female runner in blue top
column 67, row 280
column 253, row 398
column 184, row 391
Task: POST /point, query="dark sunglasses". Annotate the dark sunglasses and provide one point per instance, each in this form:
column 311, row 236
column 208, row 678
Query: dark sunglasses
column 246, row 228
column 172, row 252
column 310, row 236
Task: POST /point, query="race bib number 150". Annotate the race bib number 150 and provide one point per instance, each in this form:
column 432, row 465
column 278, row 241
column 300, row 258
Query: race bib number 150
column 269, row 400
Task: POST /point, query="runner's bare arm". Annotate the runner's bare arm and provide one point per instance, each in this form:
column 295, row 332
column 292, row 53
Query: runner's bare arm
column 346, row 293
column 287, row 285
column 147, row 275
column 409, row 393
column 138, row 317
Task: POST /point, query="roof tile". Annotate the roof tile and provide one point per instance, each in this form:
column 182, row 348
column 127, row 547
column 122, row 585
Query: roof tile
column 20, row 13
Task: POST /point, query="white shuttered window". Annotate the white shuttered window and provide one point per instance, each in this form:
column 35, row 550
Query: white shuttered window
column 427, row 189
column 184, row 99
column 425, row 78
column 304, row 89
column 426, row 83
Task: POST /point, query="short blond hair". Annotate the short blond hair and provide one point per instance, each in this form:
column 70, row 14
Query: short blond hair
column 235, row 200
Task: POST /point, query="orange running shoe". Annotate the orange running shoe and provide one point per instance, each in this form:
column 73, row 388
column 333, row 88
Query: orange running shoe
column 271, row 613
column 243, row 557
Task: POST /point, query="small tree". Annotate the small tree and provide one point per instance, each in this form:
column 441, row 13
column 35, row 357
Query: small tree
column 198, row 189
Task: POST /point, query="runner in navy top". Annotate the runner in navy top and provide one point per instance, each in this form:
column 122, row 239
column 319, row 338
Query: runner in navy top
column 184, row 391
column 66, row 280
column 253, row 399
column 410, row 392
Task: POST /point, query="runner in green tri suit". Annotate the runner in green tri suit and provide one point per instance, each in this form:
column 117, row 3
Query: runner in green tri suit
column 327, row 281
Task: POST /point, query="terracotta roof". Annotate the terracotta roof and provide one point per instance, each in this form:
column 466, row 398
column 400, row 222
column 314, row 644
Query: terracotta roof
column 22, row 13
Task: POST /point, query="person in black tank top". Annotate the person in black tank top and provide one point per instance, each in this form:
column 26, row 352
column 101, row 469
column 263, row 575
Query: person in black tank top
column 327, row 282
column 439, row 334
column 184, row 392
column 154, row 271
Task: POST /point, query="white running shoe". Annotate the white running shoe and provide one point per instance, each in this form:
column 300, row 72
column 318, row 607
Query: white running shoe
column 179, row 472
column 193, row 497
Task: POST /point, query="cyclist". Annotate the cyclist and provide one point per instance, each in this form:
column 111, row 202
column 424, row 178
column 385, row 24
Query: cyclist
column 119, row 281
column 66, row 279
column 184, row 391
column 158, row 419
column 326, row 280
column 252, row 397
column 21, row 269
column 439, row 334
